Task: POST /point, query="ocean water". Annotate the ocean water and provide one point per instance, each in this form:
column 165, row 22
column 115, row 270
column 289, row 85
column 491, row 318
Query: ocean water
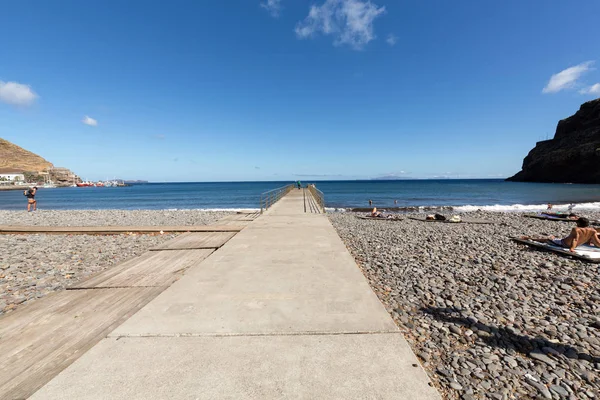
column 465, row 195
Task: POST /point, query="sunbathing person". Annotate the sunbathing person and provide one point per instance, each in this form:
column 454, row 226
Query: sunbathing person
column 375, row 213
column 378, row 214
column 572, row 216
column 580, row 235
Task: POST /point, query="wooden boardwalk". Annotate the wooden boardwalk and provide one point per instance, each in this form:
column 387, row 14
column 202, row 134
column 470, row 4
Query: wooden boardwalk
column 112, row 230
column 156, row 268
column 196, row 240
column 44, row 337
column 40, row 339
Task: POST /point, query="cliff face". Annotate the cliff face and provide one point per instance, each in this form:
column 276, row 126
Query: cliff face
column 573, row 156
column 17, row 158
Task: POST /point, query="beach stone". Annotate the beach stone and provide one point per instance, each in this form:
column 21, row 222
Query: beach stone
column 562, row 392
column 455, row 329
column 543, row 358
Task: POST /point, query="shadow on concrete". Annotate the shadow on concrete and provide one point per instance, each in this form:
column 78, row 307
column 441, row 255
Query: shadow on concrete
column 506, row 337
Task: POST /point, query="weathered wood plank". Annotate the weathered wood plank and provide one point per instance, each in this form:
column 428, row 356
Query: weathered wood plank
column 41, row 339
column 236, row 223
column 107, row 230
column 196, row 240
column 156, row 268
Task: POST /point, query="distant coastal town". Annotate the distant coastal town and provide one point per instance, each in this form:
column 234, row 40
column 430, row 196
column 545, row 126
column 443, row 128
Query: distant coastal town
column 20, row 168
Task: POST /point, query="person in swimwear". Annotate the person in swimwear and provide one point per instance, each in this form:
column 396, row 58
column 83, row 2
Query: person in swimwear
column 31, row 201
column 580, row 235
column 375, row 213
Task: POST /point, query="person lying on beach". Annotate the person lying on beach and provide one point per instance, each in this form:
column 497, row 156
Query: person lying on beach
column 375, row 213
column 580, row 235
column 379, row 214
column 572, row 216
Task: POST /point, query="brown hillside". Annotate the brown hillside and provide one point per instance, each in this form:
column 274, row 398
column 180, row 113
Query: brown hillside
column 17, row 158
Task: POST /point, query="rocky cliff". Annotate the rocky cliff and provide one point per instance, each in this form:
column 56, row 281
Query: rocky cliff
column 15, row 158
column 572, row 156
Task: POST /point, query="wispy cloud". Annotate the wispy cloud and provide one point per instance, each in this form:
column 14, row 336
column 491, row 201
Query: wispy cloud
column 391, row 39
column 567, row 79
column 350, row 22
column 594, row 89
column 89, row 121
column 272, row 6
column 17, row 94
column 158, row 136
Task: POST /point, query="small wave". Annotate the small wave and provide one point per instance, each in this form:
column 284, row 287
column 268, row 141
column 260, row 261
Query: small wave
column 529, row 207
column 336, row 209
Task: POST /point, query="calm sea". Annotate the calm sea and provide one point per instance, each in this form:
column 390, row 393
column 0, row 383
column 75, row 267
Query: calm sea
column 460, row 194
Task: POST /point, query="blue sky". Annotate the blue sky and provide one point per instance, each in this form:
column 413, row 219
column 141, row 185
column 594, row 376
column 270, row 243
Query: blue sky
column 292, row 89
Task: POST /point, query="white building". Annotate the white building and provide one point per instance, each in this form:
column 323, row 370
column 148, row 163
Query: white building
column 11, row 175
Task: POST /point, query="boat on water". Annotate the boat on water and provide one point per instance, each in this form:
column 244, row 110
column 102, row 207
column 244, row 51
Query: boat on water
column 85, row 184
column 107, row 183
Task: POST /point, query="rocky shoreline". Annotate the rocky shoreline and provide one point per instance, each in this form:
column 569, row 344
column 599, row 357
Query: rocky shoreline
column 34, row 265
column 488, row 318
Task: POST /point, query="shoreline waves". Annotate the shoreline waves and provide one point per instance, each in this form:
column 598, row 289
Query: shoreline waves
column 511, row 208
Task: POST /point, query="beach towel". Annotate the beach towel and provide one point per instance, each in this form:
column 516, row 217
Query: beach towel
column 379, row 218
column 455, row 221
column 549, row 217
column 585, row 253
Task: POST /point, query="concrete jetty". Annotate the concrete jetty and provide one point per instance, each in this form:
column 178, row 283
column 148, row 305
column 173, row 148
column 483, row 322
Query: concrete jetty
column 279, row 311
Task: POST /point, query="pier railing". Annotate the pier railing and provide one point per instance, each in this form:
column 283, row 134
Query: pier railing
column 318, row 196
column 267, row 199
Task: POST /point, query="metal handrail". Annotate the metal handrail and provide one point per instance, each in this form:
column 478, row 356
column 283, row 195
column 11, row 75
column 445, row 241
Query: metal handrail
column 318, row 196
column 267, row 199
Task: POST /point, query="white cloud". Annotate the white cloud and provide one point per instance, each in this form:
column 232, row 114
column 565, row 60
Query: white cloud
column 567, row 78
column 391, row 39
column 272, row 6
column 17, row 94
column 89, row 121
column 594, row 89
column 348, row 21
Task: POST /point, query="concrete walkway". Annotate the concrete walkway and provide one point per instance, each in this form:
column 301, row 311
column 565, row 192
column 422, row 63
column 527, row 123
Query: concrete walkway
column 280, row 311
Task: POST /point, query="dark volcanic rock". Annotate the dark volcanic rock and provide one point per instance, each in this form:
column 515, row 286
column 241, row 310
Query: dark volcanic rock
column 573, row 156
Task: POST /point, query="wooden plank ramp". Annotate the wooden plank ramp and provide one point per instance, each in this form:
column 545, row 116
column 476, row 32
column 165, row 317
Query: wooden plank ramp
column 156, row 268
column 41, row 339
column 196, row 240
column 111, row 230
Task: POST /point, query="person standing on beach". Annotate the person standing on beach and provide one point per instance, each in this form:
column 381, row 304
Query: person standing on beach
column 370, row 202
column 30, row 194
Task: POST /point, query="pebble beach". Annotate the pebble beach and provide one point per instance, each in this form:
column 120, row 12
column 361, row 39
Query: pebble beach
column 488, row 318
column 34, row 265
